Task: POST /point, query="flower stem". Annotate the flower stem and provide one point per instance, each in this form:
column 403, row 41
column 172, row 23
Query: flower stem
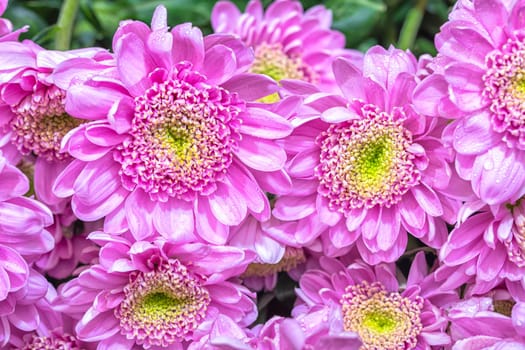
column 410, row 28
column 66, row 18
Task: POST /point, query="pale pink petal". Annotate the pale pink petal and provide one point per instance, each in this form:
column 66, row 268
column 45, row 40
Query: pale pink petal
column 227, row 205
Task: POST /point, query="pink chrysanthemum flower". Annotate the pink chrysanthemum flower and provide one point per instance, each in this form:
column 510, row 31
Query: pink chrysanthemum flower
column 33, row 118
column 289, row 43
column 177, row 144
column 480, row 83
column 491, row 322
column 366, row 167
column 156, row 294
column 486, row 248
column 337, row 299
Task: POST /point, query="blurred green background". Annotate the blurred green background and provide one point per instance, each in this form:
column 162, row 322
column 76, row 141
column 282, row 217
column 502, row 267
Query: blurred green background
column 405, row 24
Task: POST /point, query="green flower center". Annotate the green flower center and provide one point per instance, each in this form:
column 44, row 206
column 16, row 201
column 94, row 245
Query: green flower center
column 373, row 164
column 383, row 320
column 379, row 321
column 367, row 161
column 160, row 305
column 273, row 62
column 164, row 306
column 180, row 141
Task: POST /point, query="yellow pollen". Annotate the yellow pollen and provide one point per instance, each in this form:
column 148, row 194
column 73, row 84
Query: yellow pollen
column 273, row 62
column 179, row 138
column 504, row 307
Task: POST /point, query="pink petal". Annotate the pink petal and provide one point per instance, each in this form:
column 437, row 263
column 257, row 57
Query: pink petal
column 251, row 87
column 428, row 200
column 95, row 326
column 134, row 63
column 474, row 135
column 139, row 210
column 25, row 317
column 293, row 208
column 498, row 175
column 224, row 17
column 208, row 228
column 174, row 220
column 260, row 154
column 265, row 124
column 219, row 64
column 188, row 45
column 227, row 205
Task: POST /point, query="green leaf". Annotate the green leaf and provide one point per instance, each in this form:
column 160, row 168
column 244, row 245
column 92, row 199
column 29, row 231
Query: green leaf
column 356, row 18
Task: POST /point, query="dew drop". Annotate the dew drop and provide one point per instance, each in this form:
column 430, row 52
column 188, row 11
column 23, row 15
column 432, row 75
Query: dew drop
column 488, row 165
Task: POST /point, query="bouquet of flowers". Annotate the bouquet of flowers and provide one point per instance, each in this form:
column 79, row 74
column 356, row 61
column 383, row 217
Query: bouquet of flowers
column 163, row 192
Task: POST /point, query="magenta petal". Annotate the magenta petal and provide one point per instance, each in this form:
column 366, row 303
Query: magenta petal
column 474, row 135
column 260, row 154
column 188, row 44
column 240, row 178
column 224, row 17
column 139, row 210
column 411, row 212
column 293, row 208
column 134, row 63
column 208, row 228
column 389, row 224
column 490, row 263
column 303, row 164
column 251, row 87
column 76, row 144
column 349, row 79
column 499, row 175
column 219, row 64
column 25, row 317
column 174, row 220
column 355, row 218
column 13, row 181
column 341, row 237
column 63, row 186
column 92, row 100
column 227, row 205
column 265, row 124
column 96, row 326
column 428, row 94
column 427, row 199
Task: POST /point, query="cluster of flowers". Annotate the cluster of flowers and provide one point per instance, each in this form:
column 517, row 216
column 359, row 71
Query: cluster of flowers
column 148, row 193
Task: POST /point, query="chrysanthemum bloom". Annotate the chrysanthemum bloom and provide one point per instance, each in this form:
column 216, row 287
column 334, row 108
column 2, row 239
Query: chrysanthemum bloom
column 156, row 294
column 486, row 248
column 289, row 43
column 357, row 298
column 488, row 323
column 366, row 167
column 176, row 144
column 480, row 54
column 33, row 118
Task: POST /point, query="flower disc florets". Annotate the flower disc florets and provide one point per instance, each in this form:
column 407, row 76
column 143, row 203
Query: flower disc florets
column 366, row 162
column 62, row 342
column 270, row 59
column 41, row 123
column 163, row 306
column 182, row 137
column 505, row 89
column 384, row 320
